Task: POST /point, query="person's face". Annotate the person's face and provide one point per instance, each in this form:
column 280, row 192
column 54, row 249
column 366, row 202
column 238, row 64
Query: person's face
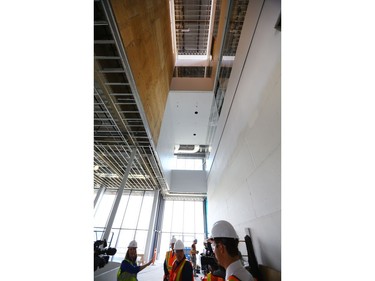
column 179, row 255
column 217, row 248
column 132, row 253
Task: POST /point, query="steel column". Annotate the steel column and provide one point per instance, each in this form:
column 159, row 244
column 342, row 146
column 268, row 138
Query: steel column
column 120, row 191
column 98, row 197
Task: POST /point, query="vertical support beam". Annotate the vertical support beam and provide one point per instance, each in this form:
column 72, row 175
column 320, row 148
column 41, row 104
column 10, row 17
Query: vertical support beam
column 149, row 251
column 205, row 217
column 98, row 197
column 108, row 227
column 159, row 224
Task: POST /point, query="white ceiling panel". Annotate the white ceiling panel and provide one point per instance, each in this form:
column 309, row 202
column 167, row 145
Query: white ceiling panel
column 191, row 113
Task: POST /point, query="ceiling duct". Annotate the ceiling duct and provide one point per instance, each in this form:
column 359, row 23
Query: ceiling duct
column 186, row 148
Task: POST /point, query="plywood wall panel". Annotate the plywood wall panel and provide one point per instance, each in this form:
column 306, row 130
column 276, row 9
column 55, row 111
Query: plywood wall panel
column 145, row 30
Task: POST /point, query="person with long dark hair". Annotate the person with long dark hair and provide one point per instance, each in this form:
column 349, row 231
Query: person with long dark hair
column 129, row 269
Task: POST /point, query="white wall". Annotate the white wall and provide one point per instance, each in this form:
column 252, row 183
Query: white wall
column 186, row 181
column 244, row 184
column 181, row 125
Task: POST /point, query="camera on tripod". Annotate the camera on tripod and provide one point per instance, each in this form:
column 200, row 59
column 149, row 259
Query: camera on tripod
column 102, row 253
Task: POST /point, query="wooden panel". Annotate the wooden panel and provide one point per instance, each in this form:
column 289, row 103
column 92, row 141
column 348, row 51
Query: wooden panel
column 146, row 35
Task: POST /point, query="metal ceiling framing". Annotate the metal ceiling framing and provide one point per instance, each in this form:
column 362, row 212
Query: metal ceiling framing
column 192, row 22
column 233, row 33
column 119, row 124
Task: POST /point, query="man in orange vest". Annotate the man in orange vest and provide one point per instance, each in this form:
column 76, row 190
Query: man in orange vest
column 182, row 269
column 170, row 257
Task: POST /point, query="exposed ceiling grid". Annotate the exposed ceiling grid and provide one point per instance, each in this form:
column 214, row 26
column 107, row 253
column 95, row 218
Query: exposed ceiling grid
column 192, row 22
column 118, row 126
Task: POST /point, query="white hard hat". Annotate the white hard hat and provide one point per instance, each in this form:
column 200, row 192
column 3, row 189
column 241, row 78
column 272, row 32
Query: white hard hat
column 133, row 244
column 179, row 245
column 173, row 240
column 223, row 229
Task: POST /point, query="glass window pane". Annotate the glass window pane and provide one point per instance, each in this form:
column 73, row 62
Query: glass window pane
column 180, row 164
column 103, row 210
column 177, row 217
column 199, row 222
column 141, row 238
column 121, row 210
column 145, row 216
column 198, row 165
column 189, row 215
column 132, row 212
column 167, row 219
column 189, row 164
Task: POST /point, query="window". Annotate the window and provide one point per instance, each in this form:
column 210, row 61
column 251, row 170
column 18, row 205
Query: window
column 185, row 221
column 131, row 221
column 187, row 164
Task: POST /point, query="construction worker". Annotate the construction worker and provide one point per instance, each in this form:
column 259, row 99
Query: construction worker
column 170, row 257
column 193, row 256
column 224, row 242
column 129, row 269
column 182, row 269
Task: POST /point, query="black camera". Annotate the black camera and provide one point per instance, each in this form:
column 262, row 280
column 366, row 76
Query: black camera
column 102, row 253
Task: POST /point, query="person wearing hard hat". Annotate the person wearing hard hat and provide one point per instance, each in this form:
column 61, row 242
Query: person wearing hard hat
column 170, row 257
column 224, row 242
column 182, row 269
column 193, row 255
column 129, row 269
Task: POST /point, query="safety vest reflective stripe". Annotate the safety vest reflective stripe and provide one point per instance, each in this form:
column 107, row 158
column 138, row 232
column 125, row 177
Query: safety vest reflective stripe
column 176, row 272
column 126, row 276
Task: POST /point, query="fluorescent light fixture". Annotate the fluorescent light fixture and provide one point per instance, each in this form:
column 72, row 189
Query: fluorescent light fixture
column 142, row 177
column 103, row 175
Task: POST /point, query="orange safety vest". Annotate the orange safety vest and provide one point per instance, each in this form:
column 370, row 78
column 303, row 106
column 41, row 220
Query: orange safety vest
column 170, row 257
column 175, row 274
column 211, row 277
